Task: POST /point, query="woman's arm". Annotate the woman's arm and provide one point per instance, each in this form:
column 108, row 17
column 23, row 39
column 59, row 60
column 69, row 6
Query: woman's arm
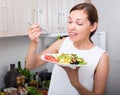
column 100, row 78
column 33, row 60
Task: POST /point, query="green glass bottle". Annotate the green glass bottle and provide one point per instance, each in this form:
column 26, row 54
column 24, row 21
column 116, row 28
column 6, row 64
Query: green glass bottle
column 26, row 72
column 19, row 68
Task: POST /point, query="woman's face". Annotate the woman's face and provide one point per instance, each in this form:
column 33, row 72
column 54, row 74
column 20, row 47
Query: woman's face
column 79, row 26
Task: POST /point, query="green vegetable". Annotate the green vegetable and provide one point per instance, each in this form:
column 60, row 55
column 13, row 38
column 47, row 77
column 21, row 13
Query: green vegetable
column 70, row 59
column 45, row 84
column 58, row 37
column 38, row 94
column 31, row 90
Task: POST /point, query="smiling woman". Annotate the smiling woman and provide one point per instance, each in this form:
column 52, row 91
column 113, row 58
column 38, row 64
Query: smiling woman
column 82, row 24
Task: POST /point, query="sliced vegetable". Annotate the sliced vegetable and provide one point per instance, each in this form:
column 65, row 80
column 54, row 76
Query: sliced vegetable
column 51, row 58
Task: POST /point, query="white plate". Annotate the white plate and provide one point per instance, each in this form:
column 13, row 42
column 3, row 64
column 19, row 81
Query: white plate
column 62, row 64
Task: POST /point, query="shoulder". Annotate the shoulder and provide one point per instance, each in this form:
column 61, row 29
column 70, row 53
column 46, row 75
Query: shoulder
column 104, row 55
column 103, row 62
column 55, row 46
column 103, row 58
column 59, row 42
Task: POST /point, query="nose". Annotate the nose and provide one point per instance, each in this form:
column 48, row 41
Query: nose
column 72, row 26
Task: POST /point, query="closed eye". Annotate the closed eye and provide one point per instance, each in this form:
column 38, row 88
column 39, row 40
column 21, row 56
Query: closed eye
column 80, row 24
column 69, row 21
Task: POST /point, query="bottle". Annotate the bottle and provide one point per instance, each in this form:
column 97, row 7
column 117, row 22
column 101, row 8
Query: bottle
column 37, row 79
column 26, row 73
column 33, row 81
column 19, row 68
column 10, row 77
column 37, row 76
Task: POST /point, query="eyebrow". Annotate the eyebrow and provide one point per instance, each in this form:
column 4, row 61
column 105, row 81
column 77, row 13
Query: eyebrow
column 77, row 19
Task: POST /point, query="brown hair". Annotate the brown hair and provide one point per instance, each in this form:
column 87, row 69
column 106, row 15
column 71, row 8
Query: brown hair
column 91, row 12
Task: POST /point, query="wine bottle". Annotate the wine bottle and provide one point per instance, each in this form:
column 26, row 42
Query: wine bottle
column 26, row 73
column 19, row 68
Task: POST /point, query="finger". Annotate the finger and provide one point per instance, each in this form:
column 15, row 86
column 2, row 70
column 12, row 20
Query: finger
column 34, row 26
column 68, row 69
column 37, row 35
column 77, row 68
column 30, row 34
column 34, row 30
column 64, row 67
column 34, row 35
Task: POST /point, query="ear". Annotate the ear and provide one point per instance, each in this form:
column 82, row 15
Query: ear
column 94, row 27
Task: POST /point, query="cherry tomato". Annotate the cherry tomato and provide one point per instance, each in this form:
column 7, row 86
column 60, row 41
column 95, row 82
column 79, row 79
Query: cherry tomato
column 51, row 58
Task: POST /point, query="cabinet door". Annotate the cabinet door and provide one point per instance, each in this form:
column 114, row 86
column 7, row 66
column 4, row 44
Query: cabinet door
column 43, row 9
column 2, row 17
column 38, row 13
column 20, row 16
column 56, row 15
column 13, row 18
column 7, row 21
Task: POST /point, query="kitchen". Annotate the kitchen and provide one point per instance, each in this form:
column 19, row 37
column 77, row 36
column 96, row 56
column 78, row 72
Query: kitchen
column 14, row 48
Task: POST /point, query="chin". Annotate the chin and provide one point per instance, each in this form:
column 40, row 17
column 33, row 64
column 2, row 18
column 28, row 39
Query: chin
column 74, row 39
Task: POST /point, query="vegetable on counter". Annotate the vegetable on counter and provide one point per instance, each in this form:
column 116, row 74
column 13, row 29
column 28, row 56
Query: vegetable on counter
column 31, row 90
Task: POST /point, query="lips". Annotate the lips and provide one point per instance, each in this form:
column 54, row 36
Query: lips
column 72, row 34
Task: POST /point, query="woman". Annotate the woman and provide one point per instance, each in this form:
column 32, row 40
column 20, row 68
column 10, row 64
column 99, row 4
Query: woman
column 86, row 80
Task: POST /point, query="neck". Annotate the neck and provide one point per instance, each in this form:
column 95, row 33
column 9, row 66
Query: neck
column 84, row 45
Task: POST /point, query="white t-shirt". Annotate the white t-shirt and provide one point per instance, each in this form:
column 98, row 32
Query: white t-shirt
column 60, row 84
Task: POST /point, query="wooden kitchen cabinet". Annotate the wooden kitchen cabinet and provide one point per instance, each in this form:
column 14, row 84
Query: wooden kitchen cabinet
column 37, row 13
column 51, row 15
column 57, row 15
column 20, row 16
column 17, row 15
column 13, row 18
column 7, row 20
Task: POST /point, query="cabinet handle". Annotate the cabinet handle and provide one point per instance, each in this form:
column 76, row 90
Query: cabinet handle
column 60, row 21
column 4, row 16
column 38, row 17
column 59, row 16
column 35, row 16
column 63, row 21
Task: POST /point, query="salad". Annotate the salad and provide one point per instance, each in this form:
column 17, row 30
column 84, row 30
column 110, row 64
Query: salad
column 64, row 58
